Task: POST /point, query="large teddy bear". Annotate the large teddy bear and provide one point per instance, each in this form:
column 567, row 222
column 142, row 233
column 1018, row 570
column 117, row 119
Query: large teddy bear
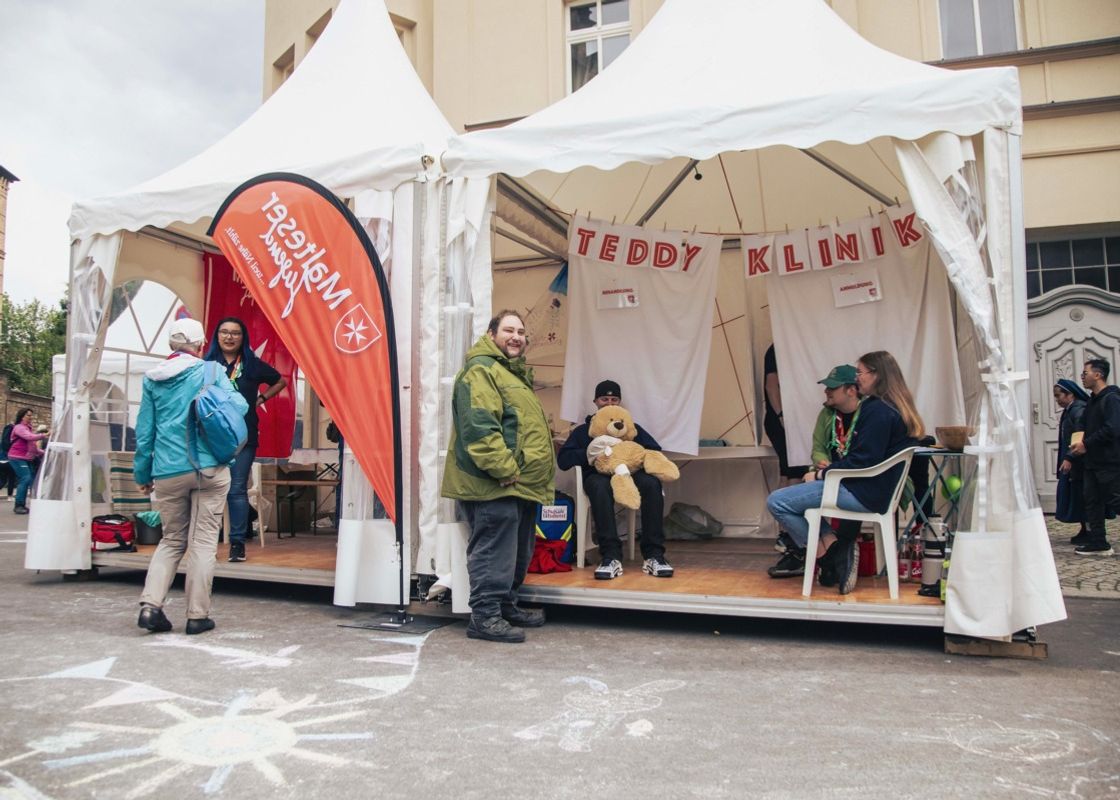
column 627, row 456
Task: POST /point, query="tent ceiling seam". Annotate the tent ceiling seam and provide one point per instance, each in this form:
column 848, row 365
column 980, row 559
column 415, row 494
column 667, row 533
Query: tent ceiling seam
column 730, row 194
column 638, row 194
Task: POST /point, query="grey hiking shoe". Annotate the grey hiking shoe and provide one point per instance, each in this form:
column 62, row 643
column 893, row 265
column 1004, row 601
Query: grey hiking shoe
column 523, row 617
column 494, row 629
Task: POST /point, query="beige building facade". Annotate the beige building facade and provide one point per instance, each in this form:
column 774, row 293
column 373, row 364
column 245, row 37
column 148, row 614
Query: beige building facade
column 489, row 62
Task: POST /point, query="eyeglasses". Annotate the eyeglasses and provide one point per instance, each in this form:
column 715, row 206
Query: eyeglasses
column 230, row 334
column 865, row 372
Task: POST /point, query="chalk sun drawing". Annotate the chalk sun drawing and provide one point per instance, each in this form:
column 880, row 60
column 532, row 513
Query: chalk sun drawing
column 594, row 710
column 257, row 732
column 219, row 743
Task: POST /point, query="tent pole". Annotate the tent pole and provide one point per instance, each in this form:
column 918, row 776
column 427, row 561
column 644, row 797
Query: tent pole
column 533, row 203
column 526, row 243
column 672, row 187
column 850, row 178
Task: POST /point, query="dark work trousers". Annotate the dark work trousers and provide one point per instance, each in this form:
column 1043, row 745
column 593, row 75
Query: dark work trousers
column 498, row 551
column 601, row 498
column 1101, row 490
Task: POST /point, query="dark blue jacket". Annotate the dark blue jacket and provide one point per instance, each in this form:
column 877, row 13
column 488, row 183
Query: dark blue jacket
column 878, row 435
column 574, row 451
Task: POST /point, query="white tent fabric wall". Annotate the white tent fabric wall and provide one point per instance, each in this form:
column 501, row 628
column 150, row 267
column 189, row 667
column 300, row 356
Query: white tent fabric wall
column 456, row 288
column 375, row 129
column 823, row 85
column 1008, row 545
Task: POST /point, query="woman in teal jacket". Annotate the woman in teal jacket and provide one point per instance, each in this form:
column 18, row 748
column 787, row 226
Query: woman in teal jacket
column 190, row 486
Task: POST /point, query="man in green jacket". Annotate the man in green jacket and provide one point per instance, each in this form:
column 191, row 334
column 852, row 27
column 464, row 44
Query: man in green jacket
column 499, row 466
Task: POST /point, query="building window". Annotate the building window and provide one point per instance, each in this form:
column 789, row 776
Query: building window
column 1085, row 262
column 977, row 27
column 597, row 32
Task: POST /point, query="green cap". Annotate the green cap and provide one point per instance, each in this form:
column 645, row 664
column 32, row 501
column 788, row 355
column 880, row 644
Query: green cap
column 840, row 376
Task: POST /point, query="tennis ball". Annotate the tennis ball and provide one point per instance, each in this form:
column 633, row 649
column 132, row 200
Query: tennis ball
column 951, row 488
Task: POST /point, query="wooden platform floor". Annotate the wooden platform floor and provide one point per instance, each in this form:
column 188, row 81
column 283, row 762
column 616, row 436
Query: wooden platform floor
column 726, row 568
column 720, row 567
column 303, row 551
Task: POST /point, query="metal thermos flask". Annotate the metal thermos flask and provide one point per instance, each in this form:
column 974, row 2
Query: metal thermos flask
column 934, row 534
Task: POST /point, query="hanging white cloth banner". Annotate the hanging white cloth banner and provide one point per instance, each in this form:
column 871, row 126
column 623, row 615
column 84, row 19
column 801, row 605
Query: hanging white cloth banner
column 813, row 332
column 652, row 333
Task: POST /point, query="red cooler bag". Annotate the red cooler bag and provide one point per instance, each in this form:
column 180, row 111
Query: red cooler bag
column 113, row 532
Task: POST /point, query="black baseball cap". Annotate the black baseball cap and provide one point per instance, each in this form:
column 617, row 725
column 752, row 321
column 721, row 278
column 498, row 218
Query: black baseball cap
column 607, row 389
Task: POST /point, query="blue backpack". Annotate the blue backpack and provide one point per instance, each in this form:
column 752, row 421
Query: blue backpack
column 215, row 419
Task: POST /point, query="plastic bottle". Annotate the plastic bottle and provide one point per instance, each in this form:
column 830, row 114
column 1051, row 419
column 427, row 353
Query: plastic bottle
column 916, row 555
column 904, row 560
column 945, row 566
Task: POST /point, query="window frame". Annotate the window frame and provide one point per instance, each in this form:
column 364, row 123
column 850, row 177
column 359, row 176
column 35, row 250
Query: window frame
column 594, row 34
column 978, row 33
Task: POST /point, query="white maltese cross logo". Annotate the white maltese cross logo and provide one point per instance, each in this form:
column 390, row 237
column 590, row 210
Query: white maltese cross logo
column 355, row 331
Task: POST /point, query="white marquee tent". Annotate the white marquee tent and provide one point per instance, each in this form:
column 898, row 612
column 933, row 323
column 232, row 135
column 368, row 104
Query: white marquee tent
column 355, row 117
column 806, row 121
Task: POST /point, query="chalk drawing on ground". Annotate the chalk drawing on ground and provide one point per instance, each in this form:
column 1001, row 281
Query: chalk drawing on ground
column 593, row 710
column 1050, row 756
column 257, row 731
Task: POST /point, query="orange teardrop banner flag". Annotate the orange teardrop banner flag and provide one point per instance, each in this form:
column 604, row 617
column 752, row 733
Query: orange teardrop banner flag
column 312, row 270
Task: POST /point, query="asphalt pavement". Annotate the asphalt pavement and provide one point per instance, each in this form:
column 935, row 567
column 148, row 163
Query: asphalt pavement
column 280, row 701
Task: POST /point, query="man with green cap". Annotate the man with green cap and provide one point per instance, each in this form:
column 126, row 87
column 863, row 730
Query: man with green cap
column 865, row 431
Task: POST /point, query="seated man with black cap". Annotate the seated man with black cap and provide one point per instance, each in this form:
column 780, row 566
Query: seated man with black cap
column 579, row 451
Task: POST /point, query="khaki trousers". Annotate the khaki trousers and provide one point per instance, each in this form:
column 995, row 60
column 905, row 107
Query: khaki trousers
column 190, row 507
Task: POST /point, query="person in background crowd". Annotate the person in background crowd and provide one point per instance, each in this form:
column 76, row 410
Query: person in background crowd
column 40, row 450
column 189, row 499
column 499, row 466
column 1099, row 451
column 231, row 348
column 773, row 422
column 7, row 474
column 580, row 450
column 879, row 375
column 22, row 453
column 1069, row 505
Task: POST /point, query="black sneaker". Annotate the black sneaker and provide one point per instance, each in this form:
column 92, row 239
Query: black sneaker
column 784, row 543
column 657, row 567
column 608, row 568
column 197, row 626
column 523, row 617
column 847, row 566
column 236, row 551
column 153, row 619
column 1082, row 537
column 494, row 629
column 791, row 565
column 1094, row 548
column 829, row 574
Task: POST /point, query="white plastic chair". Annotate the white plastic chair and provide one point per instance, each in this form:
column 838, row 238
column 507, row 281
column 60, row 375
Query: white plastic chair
column 583, row 524
column 883, row 522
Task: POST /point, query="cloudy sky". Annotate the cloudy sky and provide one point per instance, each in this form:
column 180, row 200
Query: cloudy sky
column 99, row 95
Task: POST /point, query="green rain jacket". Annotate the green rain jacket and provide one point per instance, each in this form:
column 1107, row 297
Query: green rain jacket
column 498, row 430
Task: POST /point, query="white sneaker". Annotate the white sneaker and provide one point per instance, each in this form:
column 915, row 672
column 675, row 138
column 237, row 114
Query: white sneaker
column 657, row 567
column 607, row 569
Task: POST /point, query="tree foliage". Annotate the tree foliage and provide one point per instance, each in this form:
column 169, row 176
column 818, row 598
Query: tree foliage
column 30, row 334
